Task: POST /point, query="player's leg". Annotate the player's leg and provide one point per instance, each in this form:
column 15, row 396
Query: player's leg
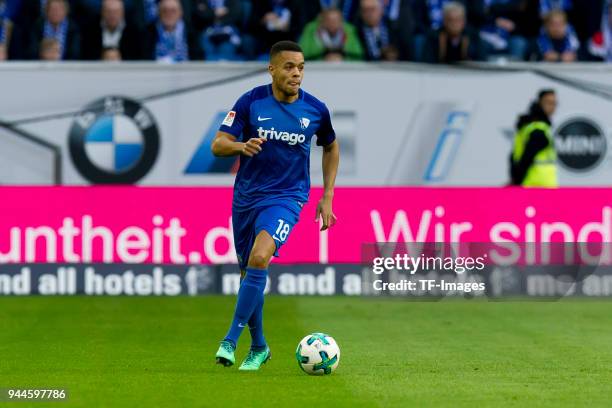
column 244, row 237
column 256, row 276
column 258, row 341
column 253, row 285
column 273, row 225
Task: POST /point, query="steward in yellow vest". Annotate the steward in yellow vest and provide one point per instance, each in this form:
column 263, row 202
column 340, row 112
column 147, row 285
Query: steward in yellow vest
column 533, row 162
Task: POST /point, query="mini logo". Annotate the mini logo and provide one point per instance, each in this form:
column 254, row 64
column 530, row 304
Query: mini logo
column 581, row 144
column 242, row 325
column 259, row 118
column 229, row 119
column 304, row 122
column 114, row 140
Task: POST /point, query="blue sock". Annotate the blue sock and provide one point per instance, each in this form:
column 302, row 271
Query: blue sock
column 251, row 289
column 258, row 341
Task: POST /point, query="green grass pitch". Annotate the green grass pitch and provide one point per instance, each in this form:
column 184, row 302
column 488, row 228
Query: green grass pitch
column 148, row 352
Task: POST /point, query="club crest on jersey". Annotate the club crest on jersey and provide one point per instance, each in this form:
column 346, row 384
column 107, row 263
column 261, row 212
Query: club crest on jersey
column 304, row 122
column 229, row 118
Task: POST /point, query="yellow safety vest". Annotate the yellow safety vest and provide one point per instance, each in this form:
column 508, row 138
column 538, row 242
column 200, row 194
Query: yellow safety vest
column 543, row 170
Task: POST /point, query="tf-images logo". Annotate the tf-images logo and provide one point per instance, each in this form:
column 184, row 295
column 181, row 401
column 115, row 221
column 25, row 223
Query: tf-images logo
column 114, row 140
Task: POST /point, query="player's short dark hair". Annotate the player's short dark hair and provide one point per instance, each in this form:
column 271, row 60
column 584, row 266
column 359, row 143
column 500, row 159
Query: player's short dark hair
column 544, row 92
column 284, row 46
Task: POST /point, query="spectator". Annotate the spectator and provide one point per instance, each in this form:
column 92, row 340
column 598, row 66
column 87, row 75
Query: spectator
column 600, row 45
column 170, row 39
column 50, row 50
column 453, row 42
column 112, row 33
column 378, row 38
column 330, row 38
column 25, row 18
column 88, row 14
column 501, row 31
column 557, row 42
column 57, row 25
column 429, row 18
column 272, row 21
column 220, row 20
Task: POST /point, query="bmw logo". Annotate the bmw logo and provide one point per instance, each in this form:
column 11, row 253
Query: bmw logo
column 114, row 140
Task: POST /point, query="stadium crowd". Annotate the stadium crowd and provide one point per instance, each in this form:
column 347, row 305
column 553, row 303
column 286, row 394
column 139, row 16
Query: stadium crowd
column 434, row 31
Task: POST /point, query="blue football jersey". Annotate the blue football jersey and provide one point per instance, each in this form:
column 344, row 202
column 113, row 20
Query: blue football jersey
column 281, row 171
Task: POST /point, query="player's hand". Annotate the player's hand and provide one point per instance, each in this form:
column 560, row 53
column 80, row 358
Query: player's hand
column 324, row 210
column 252, row 146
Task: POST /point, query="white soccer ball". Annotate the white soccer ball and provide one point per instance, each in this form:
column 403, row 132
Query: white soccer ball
column 318, row 354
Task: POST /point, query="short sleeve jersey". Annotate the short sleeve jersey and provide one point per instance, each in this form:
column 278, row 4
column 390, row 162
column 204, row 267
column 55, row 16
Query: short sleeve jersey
column 281, row 171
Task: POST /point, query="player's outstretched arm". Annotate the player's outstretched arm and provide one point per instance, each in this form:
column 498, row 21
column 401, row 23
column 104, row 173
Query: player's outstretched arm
column 331, row 159
column 225, row 144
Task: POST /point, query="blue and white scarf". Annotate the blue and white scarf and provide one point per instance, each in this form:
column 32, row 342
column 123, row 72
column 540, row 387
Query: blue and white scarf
column 376, row 43
column 171, row 45
column 569, row 43
column 496, row 36
column 546, row 6
column 59, row 34
column 332, row 43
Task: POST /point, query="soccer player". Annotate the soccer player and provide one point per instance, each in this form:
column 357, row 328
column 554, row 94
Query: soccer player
column 271, row 128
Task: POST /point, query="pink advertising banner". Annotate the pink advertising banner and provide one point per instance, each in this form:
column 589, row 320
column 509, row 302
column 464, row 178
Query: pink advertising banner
column 193, row 225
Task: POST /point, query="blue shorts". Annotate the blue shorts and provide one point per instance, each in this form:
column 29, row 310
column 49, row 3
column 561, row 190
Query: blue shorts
column 277, row 220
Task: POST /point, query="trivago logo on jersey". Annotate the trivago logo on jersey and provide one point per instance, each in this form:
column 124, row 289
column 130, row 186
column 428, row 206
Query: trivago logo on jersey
column 290, row 138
